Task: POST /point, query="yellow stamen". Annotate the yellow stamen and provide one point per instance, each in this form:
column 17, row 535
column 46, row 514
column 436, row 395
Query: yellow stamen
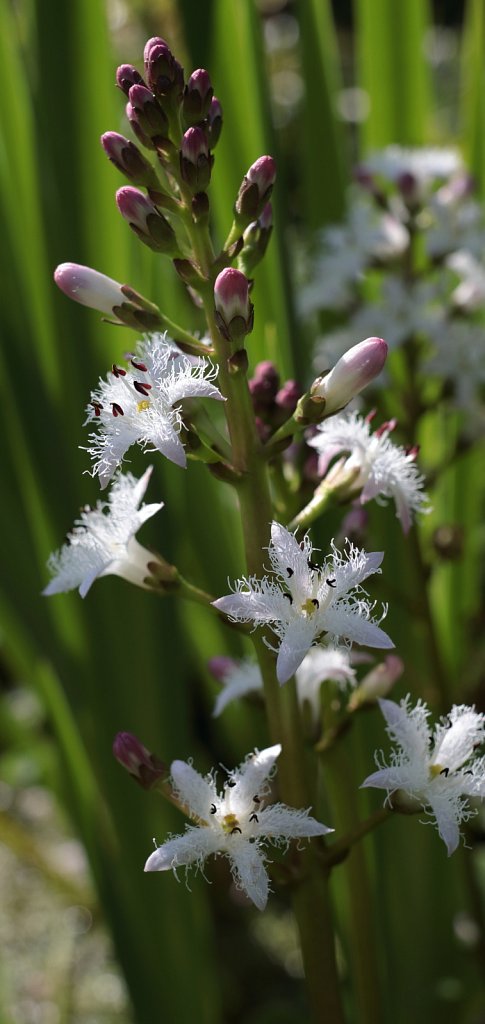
column 435, row 769
column 309, row 607
column 143, row 405
column 229, row 822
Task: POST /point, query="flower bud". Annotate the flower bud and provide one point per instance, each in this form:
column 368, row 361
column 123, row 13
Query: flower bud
column 145, row 220
column 147, row 113
column 88, row 287
column 221, row 666
column 255, row 190
column 234, row 310
column 127, row 158
column 255, row 240
column 287, row 397
column 145, row 767
column 264, row 383
column 378, row 682
column 126, row 76
column 197, row 97
column 351, row 374
column 165, row 75
column 195, row 160
column 214, row 123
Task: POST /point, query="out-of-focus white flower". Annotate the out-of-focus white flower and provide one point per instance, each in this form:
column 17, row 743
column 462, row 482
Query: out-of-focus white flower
column 449, row 223
column 234, row 823
column 385, row 470
column 470, row 293
column 140, row 405
column 426, row 165
column 103, row 543
column 436, row 770
column 302, row 602
column 459, row 358
column 240, row 678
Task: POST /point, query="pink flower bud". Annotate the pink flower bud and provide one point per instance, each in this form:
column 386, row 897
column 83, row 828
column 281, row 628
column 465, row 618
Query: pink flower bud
column 288, row 395
column 234, row 311
column 351, row 374
column 263, row 174
column 195, row 161
column 145, row 767
column 197, row 97
column 145, row 220
column 89, row 287
column 214, row 123
column 147, row 112
column 255, row 189
column 127, row 158
column 221, row 666
column 164, row 74
column 378, row 682
column 264, row 383
column 126, row 76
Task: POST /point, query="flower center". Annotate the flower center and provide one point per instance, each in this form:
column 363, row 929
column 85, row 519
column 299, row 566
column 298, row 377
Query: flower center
column 143, row 405
column 229, row 823
column 309, row 607
column 437, row 769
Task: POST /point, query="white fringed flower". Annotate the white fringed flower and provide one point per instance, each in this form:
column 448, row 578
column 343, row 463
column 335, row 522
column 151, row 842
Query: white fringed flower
column 435, row 769
column 385, row 470
column 234, row 823
column 302, row 601
column 103, row 543
column 321, row 663
column 469, row 294
column 140, row 405
column 427, row 165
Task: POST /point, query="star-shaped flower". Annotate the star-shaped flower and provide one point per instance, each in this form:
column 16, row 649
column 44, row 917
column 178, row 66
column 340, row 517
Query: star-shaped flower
column 303, row 601
column 436, row 769
column 383, row 469
column 234, row 823
column 103, row 543
column 140, row 405
column 239, row 678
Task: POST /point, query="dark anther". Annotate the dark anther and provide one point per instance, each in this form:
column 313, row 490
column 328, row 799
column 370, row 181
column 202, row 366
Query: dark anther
column 139, row 366
column 142, row 388
column 315, row 602
column 312, row 565
column 254, row 817
column 445, row 772
column 256, row 799
column 97, row 408
column 468, row 772
column 117, row 371
column 289, row 597
column 231, row 783
column 331, row 582
column 290, row 571
column 213, row 808
column 117, row 410
column 236, row 829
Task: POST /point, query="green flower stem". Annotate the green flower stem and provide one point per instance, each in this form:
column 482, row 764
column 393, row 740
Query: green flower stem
column 341, row 787
column 322, row 498
column 185, row 340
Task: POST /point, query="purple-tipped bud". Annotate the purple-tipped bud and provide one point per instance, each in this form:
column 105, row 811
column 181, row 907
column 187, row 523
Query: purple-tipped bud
column 195, row 159
column 145, row 767
column 378, row 682
column 197, row 97
column 288, row 395
column 234, row 310
column 126, row 76
column 147, row 113
column 221, row 666
column 214, row 123
column 165, row 76
column 255, row 190
column 89, row 287
column 408, row 187
column 255, row 240
column 351, row 374
column 128, row 159
column 264, row 383
column 145, row 220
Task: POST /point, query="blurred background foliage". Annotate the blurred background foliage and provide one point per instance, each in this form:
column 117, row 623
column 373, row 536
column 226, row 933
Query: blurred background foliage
column 316, row 84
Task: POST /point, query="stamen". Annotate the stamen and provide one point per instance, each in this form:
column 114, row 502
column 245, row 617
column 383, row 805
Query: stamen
column 254, row 817
column 289, row 571
column 142, row 388
column 445, row 772
column 231, row 783
column 313, row 566
column 142, row 406
column 139, row 366
column 116, row 409
column 256, row 799
column 97, row 408
column 213, row 809
column 236, row 829
column 331, row 582
column 118, row 371
column 289, row 597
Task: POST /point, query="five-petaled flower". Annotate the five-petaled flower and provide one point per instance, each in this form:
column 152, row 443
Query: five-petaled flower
column 382, row 469
column 235, row 823
column 140, row 405
column 433, row 770
column 302, row 601
column 102, row 541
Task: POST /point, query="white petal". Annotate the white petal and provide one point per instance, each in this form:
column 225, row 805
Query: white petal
column 250, row 872
column 194, row 845
column 196, row 792
column 349, row 624
column 455, row 741
column 251, row 778
column 278, row 820
column 408, row 727
column 447, row 819
column 244, row 678
column 173, row 449
column 248, row 606
column 294, row 647
column 287, row 552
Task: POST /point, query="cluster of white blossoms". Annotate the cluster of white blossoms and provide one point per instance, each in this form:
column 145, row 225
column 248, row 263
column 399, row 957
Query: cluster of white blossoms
column 235, row 823
column 436, row 771
column 141, row 404
column 102, row 541
column 382, row 469
column 305, row 603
